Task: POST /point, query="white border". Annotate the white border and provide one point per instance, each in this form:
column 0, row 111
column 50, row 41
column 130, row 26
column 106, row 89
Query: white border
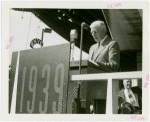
column 86, row 4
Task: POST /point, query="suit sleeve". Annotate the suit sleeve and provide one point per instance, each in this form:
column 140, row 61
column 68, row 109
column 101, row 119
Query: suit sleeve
column 137, row 90
column 113, row 58
column 120, row 100
column 140, row 97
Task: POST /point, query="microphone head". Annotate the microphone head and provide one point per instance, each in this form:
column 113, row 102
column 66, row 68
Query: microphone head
column 85, row 25
column 74, row 34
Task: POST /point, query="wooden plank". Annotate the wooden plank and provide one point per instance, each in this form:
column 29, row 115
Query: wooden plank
column 115, row 87
column 105, row 76
column 109, row 97
column 12, row 76
column 13, row 106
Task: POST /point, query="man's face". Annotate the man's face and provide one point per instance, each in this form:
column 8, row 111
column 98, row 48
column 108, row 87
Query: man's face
column 95, row 32
column 127, row 84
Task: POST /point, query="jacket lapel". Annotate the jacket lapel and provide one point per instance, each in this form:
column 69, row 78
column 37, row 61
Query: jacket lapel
column 102, row 47
column 122, row 94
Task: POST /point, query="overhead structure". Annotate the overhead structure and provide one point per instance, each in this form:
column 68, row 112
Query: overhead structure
column 123, row 26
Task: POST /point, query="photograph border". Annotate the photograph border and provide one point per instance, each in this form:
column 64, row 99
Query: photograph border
column 6, row 6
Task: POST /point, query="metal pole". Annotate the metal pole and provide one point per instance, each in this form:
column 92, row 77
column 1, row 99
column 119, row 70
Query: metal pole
column 29, row 30
column 42, row 35
column 80, row 61
column 81, row 41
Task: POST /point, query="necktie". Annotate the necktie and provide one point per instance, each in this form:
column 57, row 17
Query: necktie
column 96, row 49
column 130, row 96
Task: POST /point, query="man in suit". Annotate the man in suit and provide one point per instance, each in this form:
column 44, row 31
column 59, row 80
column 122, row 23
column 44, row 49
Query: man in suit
column 132, row 96
column 105, row 53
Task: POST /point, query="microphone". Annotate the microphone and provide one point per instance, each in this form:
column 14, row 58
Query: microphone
column 85, row 25
column 73, row 35
column 73, row 38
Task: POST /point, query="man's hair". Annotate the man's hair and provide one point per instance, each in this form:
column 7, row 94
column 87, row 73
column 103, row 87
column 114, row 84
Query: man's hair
column 125, row 80
column 100, row 24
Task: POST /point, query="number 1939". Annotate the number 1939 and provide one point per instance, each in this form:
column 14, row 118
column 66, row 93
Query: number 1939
column 57, row 89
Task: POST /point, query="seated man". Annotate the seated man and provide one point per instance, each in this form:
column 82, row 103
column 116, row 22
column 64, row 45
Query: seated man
column 130, row 99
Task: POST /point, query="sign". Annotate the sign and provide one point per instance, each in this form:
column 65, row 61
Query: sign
column 43, row 80
column 36, row 41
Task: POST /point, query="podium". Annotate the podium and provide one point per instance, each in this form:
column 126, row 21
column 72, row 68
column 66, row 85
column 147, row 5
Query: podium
column 91, row 92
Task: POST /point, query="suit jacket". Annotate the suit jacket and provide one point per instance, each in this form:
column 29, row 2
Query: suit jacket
column 135, row 90
column 107, row 56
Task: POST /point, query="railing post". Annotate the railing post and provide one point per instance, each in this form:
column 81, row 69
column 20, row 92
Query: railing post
column 109, row 97
column 115, row 87
column 14, row 95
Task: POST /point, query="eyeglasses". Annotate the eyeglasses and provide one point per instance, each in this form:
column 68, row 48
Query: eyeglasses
column 94, row 32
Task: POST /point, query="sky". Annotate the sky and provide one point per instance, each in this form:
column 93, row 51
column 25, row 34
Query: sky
column 25, row 26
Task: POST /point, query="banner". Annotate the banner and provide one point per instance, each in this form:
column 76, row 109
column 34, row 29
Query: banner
column 43, row 80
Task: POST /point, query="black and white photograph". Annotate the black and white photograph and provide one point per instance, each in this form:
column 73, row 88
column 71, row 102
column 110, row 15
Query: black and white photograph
column 75, row 60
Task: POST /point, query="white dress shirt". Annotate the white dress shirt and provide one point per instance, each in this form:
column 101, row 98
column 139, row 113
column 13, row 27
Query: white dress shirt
column 130, row 97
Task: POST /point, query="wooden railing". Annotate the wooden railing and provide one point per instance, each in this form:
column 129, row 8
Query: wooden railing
column 112, row 85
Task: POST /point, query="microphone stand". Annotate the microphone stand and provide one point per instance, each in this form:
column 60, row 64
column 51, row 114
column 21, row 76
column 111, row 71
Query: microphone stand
column 80, row 61
column 81, row 41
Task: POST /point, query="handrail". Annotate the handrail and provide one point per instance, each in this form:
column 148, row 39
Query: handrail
column 112, row 85
column 105, row 76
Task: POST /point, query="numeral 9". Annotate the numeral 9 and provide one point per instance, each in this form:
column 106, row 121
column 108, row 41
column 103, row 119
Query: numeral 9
column 59, row 89
column 33, row 68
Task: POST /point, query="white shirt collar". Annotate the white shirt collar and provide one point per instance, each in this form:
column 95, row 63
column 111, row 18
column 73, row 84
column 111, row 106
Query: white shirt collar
column 126, row 90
